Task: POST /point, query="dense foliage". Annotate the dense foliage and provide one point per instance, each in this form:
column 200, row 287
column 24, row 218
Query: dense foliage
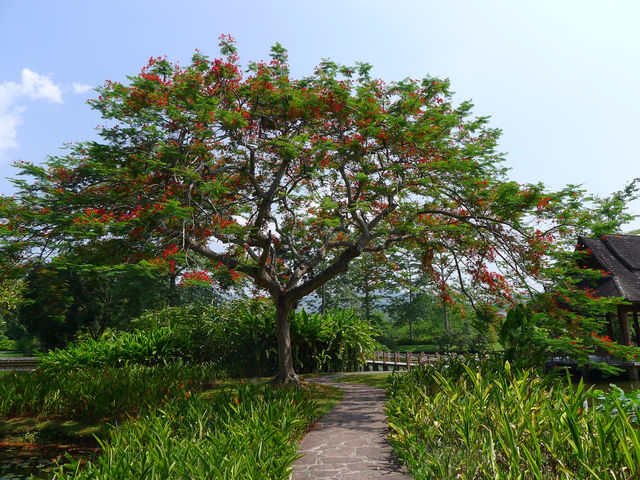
column 334, row 341
column 59, row 301
column 10, row 297
column 483, row 421
column 238, row 336
column 119, row 349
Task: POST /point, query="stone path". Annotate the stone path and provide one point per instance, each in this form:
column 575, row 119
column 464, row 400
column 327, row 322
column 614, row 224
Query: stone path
column 349, row 443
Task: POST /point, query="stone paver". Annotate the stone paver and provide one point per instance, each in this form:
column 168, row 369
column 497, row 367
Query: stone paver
column 349, row 443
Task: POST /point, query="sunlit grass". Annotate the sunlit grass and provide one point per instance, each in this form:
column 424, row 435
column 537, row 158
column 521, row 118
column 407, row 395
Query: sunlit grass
column 425, row 348
column 371, row 379
column 4, row 354
column 327, row 397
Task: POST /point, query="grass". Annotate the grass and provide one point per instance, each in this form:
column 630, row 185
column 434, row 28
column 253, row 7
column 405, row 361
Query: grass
column 328, row 397
column 371, row 379
column 5, row 354
column 32, row 411
column 39, row 405
column 34, row 430
column 426, row 348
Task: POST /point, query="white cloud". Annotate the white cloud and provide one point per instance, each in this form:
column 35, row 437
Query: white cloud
column 40, row 87
column 80, row 87
column 8, row 124
column 33, row 86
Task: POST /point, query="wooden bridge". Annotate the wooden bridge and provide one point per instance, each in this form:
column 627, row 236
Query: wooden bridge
column 400, row 360
column 18, row 363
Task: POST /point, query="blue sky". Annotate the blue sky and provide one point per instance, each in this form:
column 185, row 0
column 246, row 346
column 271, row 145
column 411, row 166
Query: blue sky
column 560, row 78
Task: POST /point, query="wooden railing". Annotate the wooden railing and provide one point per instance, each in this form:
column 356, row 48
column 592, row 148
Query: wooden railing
column 18, row 363
column 395, row 360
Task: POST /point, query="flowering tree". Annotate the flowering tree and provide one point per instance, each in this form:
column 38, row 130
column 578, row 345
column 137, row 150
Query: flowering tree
column 284, row 182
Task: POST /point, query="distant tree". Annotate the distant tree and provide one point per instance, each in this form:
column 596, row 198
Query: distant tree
column 358, row 289
column 285, row 181
column 405, row 281
column 11, row 292
column 59, row 301
column 609, row 214
column 421, row 280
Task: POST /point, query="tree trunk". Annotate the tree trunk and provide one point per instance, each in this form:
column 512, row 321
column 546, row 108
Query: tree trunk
column 106, row 302
column 367, row 306
column 286, row 372
column 410, row 315
column 173, row 292
column 323, row 299
column 446, row 317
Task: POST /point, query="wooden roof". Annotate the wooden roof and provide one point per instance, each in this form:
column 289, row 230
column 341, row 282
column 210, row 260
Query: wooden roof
column 620, row 255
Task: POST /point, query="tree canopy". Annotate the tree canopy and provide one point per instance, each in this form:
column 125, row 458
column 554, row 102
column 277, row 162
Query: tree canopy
column 253, row 174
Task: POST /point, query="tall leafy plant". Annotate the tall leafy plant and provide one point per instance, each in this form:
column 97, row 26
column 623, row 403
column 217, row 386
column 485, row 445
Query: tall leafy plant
column 522, row 338
column 240, row 336
column 484, row 421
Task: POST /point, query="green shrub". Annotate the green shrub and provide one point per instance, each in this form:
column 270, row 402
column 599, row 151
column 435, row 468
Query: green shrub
column 334, row 341
column 250, row 432
column 24, row 344
column 241, row 336
column 6, row 344
column 450, row 421
column 150, row 347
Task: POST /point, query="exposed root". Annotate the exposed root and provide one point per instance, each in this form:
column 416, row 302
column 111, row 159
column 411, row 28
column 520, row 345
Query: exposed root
column 287, row 379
